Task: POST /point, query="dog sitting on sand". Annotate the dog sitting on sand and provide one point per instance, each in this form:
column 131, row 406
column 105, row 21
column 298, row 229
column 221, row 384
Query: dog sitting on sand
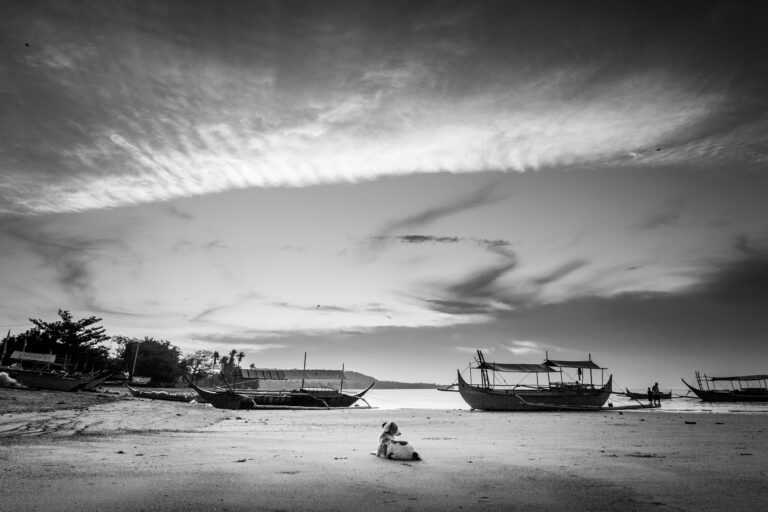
column 391, row 448
column 6, row 381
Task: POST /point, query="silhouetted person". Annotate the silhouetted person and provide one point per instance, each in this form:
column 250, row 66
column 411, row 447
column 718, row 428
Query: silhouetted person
column 656, row 394
column 650, row 397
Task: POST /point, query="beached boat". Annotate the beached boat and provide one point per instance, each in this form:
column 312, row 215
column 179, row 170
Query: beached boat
column 46, row 380
column 161, row 395
column 494, row 394
column 742, row 388
column 99, row 378
column 234, row 397
column 644, row 396
column 40, row 371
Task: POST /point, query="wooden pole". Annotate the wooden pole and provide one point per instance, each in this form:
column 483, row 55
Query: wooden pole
column 135, row 357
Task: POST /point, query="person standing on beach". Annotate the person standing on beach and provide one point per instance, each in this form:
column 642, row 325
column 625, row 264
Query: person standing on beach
column 650, row 397
column 656, row 394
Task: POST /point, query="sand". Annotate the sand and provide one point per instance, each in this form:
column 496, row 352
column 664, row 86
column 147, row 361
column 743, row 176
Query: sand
column 143, row 455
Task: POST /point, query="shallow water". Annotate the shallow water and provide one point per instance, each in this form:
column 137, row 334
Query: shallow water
column 434, row 399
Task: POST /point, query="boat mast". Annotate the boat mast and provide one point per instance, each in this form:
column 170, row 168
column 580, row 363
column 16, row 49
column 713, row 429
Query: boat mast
column 483, row 371
column 304, row 371
column 135, row 356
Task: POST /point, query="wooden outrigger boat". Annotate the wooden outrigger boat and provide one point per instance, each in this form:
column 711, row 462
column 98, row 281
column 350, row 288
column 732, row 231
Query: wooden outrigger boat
column 39, row 371
column 741, row 388
column 490, row 395
column 644, row 396
column 161, row 395
column 232, row 397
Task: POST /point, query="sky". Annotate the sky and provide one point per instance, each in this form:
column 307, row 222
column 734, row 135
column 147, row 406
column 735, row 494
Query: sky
column 392, row 185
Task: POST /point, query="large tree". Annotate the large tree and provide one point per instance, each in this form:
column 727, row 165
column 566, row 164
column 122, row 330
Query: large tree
column 77, row 342
column 200, row 365
column 148, row 357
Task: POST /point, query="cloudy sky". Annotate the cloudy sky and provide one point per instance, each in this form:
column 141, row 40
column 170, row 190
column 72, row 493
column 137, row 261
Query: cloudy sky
column 393, row 184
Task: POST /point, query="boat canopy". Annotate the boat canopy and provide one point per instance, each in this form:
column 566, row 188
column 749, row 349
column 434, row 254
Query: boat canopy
column 742, row 377
column 523, row 368
column 275, row 374
column 573, row 364
column 32, row 356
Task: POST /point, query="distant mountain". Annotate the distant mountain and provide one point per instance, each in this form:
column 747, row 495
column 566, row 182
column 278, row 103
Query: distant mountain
column 352, row 380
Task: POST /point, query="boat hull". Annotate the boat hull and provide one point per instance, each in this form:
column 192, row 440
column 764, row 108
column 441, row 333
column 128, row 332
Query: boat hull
column 161, row 395
column 644, row 396
column 533, row 399
column 756, row 395
column 304, row 399
column 41, row 380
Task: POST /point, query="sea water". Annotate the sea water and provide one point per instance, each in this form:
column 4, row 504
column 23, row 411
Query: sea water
column 446, row 400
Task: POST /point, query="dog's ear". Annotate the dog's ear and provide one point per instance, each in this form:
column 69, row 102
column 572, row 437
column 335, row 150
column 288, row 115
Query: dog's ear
column 382, row 425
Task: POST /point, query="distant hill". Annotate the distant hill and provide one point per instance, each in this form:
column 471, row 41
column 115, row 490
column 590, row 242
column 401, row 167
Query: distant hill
column 352, row 380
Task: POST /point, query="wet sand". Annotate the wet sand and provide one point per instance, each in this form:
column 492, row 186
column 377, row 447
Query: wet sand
column 142, row 455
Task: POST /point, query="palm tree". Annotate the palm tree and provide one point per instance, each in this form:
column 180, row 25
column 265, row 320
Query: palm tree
column 240, row 357
column 215, row 358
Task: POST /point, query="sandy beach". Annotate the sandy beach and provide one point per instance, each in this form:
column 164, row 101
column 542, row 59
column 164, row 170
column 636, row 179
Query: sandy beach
column 98, row 451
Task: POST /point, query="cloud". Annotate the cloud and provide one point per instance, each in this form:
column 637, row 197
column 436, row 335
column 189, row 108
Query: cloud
column 560, row 272
column 741, row 280
column 69, row 257
column 421, row 239
column 667, row 216
column 520, row 347
column 185, row 114
column 481, row 197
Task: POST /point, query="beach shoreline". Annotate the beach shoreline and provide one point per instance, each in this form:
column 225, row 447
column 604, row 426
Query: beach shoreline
column 131, row 454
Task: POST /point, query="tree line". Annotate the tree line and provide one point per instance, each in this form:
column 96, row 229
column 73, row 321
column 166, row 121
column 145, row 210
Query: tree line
column 83, row 346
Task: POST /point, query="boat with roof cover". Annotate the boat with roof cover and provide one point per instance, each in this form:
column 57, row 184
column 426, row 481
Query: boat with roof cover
column 555, row 388
column 235, row 394
column 740, row 388
column 40, row 371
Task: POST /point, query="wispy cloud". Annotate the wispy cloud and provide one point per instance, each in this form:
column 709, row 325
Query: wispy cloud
column 69, row 258
column 520, row 347
column 177, row 117
column 477, row 199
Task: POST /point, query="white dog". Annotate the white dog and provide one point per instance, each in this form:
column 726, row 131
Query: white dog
column 6, row 381
column 391, row 448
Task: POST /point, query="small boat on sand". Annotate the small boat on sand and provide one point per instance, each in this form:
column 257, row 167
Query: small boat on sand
column 644, row 396
column 741, row 388
column 492, row 393
column 161, row 395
